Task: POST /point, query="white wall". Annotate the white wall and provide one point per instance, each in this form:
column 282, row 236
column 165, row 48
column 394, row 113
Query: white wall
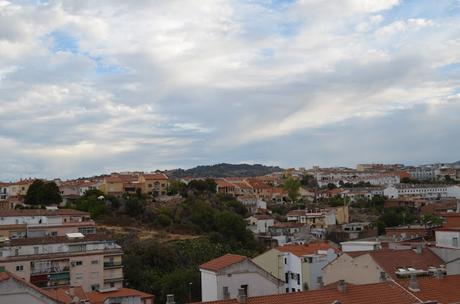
column 12, row 292
column 209, row 290
column 358, row 246
column 454, row 191
column 445, row 239
column 257, row 284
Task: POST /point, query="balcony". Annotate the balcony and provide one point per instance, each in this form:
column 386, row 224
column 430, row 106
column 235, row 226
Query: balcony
column 109, row 265
column 50, row 270
column 113, row 280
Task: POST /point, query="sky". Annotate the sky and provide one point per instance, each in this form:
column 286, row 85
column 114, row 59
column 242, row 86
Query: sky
column 95, row 86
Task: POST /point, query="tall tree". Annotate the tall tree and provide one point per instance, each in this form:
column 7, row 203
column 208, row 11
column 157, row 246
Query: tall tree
column 43, row 193
column 292, row 187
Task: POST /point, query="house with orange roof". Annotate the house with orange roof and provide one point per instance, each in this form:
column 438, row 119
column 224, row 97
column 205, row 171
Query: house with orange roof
column 19, row 188
column 221, row 278
column 420, row 290
column 154, row 184
column 298, row 266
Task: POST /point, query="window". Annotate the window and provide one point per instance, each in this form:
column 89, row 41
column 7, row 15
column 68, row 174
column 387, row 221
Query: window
column 455, row 242
column 54, row 233
column 285, row 260
column 298, row 279
column 286, row 277
column 19, row 268
column 245, row 287
column 287, row 290
column 16, row 252
column 112, row 284
column 95, row 262
column 293, row 289
column 35, row 250
column 94, row 287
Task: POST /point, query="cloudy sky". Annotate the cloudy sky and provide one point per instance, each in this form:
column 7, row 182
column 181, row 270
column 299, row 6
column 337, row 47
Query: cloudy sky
column 95, row 86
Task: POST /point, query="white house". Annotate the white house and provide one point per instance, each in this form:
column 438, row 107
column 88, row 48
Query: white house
column 260, row 223
column 223, row 277
column 454, row 191
column 360, row 246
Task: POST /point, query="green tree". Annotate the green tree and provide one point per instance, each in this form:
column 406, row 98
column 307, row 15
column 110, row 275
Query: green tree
column 308, row 181
column 292, row 187
column 43, row 193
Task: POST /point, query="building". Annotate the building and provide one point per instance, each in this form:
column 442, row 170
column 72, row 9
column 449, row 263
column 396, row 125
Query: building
column 76, row 294
column 323, row 218
column 298, row 266
column 154, row 184
column 221, row 278
column 352, row 246
column 21, row 223
column 402, row 233
column 424, row 173
column 14, row 290
column 90, row 261
column 260, row 223
column 448, row 238
column 19, row 188
column 3, row 191
column 416, row 190
column 366, row 267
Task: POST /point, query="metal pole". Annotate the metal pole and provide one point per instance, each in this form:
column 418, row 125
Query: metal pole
column 190, row 292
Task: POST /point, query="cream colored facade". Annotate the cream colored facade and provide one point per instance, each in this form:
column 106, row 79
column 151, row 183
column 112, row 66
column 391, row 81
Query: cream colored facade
column 90, row 262
column 359, row 270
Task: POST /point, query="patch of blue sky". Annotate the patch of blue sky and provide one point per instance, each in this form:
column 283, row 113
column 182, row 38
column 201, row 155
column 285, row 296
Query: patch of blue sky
column 63, row 42
column 289, row 29
column 106, row 68
column 273, row 4
column 426, row 9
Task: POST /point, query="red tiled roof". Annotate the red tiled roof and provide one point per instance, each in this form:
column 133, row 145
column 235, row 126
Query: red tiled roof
column 66, row 294
column 263, row 217
column 444, row 290
column 224, row 184
column 42, row 212
column 301, row 250
column 97, row 297
column 156, row 176
column 223, row 262
column 380, row 293
column 391, row 260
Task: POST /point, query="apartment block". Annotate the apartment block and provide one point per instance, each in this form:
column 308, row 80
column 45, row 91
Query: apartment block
column 90, row 261
column 44, row 222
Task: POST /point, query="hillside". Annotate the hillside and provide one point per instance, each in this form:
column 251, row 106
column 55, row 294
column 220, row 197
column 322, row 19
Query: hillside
column 224, row 170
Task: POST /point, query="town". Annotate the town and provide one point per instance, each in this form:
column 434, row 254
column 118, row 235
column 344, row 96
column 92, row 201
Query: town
column 222, row 235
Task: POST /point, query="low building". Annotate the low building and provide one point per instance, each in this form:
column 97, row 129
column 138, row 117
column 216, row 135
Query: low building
column 374, row 266
column 417, row 190
column 260, row 223
column 402, row 233
column 299, row 266
column 353, row 246
column 92, row 261
column 448, row 238
column 221, row 278
column 20, row 223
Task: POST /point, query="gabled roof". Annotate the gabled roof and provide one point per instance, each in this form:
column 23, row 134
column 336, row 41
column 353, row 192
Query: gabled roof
column 223, row 262
column 5, row 275
column 301, row 250
column 156, row 176
column 380, row 293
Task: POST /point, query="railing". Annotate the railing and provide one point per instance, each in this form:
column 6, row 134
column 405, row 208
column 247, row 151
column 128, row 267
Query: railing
column 50, row 270
column 112, row 264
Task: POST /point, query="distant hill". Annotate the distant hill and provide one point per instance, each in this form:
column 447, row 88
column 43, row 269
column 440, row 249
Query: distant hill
column 224, row 170
column 456, row 163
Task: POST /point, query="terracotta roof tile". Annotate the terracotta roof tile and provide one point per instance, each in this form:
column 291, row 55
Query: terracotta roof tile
column 223, row 262
column 301, row 250
column 97, row 297
column 443, row 290
column 380, row 293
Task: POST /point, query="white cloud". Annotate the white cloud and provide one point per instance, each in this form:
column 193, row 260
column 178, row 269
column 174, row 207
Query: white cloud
column 170, row 81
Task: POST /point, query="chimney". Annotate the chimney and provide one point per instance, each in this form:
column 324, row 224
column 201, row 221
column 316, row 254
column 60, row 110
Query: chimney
column 418, row 249
column 170, row 299
column 342, row 286
column 242, row 297
column 439, row 274
column 383, row 276
column 320, row 282
column 413, row 284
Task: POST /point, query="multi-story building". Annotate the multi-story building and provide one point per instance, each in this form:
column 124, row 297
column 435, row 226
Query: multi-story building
column 3, row 191
column 320, row 218
column 44, row 222
column 426, row 173
column 90, row 261
column 19, row 188
column 299, row 266
column 152, row 184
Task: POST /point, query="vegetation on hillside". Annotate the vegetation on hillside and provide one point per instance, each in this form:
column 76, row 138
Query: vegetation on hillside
column 225, row 170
